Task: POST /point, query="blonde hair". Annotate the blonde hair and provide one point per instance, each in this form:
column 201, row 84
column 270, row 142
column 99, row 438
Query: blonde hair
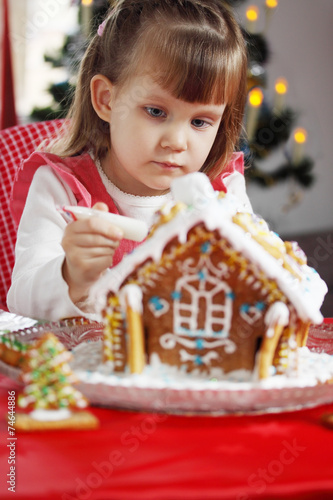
column 197, row 52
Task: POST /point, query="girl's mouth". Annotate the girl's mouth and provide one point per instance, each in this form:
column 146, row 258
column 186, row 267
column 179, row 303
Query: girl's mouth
column 168, row 165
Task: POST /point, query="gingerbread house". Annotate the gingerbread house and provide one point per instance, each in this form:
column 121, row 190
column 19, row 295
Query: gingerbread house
column 211, row 292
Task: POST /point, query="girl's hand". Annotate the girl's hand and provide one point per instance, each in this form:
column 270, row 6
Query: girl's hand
column 89, row 246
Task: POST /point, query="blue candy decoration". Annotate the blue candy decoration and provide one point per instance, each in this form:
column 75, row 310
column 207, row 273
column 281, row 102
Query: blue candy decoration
column 199, row 343
column 205, row 247
column 176, row 295
column 156, row 302
column 201, row 275
column 198, row 360
column 245, row 308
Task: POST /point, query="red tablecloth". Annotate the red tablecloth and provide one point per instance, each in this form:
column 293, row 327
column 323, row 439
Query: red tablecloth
column 142, row 456
column 138, row 456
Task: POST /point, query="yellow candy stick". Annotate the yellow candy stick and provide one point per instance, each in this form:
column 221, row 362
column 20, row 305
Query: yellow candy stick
column 136, row 349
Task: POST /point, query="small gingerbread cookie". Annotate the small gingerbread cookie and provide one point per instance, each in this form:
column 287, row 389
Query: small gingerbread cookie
column 80, row 420
column 12, row 351
column 49, row 394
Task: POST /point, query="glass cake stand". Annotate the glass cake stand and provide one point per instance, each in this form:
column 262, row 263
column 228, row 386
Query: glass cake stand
column 147, row 392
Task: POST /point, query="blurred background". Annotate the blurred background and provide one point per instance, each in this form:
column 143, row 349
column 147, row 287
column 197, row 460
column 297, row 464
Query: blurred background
column 287, row 130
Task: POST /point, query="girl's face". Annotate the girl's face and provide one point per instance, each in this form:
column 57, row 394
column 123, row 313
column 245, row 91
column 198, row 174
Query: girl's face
column 156, row 137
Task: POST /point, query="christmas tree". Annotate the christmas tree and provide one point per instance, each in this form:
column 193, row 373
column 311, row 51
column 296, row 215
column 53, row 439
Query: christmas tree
column 268, row 121
column 90, row 14
column 48, row 377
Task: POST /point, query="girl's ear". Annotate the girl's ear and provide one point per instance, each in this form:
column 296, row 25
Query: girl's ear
column 101, row 96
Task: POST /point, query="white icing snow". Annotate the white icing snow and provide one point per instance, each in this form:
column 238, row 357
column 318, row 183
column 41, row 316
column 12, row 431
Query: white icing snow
column 312, row 368
column 50, row 415
column 277, row 314
column 131, row 295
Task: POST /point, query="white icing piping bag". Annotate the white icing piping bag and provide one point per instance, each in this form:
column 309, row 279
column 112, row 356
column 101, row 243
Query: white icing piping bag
column 133, row 229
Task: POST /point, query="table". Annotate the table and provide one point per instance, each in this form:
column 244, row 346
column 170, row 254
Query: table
column 146, row 456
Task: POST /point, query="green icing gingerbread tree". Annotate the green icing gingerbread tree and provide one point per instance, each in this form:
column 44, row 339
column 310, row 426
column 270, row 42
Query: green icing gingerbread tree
column 48, row 377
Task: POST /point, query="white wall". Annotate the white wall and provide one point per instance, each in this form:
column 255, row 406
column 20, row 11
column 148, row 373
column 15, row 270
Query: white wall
column 300, row 37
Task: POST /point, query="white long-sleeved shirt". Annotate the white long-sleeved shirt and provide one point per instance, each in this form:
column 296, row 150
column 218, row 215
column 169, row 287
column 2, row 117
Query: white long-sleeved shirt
column 38, row 289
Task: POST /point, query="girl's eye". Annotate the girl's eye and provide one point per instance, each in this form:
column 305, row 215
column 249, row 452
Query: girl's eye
column 155, row 112
column 199, row 123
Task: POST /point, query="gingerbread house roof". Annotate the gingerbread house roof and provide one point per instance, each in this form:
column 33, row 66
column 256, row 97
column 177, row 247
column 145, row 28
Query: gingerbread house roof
column 247, row 234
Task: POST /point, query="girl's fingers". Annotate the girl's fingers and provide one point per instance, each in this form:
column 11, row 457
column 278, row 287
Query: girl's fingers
column 89, row 245
column 84, row 265
column 96, row 225
column 89, row 269
column 101, row 206
column 92, row 232
column 90, row 241
column 90, row 253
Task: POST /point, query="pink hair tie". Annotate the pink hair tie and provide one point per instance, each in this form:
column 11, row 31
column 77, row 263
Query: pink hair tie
column 101, row 28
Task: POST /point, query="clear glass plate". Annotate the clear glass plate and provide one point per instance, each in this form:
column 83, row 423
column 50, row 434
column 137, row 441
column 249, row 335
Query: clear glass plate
column 148, row 393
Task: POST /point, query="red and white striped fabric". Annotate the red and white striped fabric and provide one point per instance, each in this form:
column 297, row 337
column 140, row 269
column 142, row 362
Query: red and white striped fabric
column 16, row 144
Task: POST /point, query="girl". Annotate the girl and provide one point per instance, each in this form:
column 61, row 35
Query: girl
column 160, row 94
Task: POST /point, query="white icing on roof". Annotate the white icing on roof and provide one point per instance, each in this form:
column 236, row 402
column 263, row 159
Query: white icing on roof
column 195, row 190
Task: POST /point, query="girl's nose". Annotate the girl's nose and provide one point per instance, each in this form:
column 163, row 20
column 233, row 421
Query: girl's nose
column 174, row 138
